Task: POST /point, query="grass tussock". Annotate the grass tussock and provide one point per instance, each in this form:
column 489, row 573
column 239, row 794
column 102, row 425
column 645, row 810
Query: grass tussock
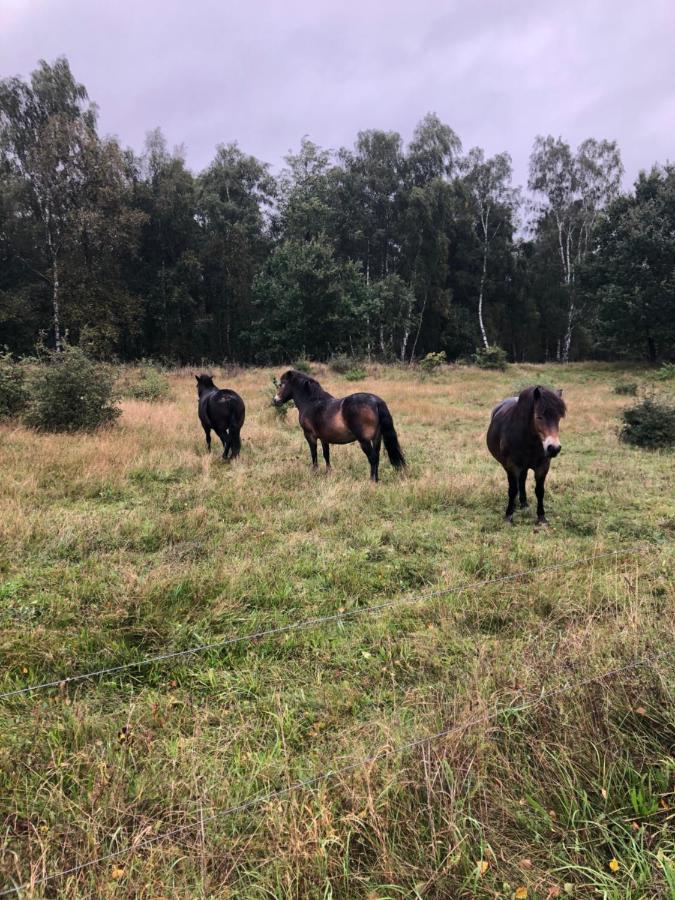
column 132, row 541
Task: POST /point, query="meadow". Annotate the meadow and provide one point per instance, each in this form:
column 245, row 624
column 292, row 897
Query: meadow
column 133, row 542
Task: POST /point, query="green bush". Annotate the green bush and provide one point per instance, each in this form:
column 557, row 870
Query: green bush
column 355, row 374
column 432, row 362
column 70, row 392
column 490, row 358
column 666, row 372
column 148, row 384
column 650, row 423
column 280, row 411
column 303, row 365
column 627, row 388
column 342, row 363
column 12, row 387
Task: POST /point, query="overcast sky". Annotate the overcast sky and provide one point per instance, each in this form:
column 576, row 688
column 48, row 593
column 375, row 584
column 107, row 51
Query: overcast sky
column 266, row 73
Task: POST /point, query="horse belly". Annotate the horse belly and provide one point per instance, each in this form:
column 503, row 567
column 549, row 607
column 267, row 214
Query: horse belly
column 335, row 430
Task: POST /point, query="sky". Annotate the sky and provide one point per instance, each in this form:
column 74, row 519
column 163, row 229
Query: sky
column 499, row 72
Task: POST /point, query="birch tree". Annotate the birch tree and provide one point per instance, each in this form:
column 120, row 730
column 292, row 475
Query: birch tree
column 495, row 201
column 46, row 129
column 572, row 189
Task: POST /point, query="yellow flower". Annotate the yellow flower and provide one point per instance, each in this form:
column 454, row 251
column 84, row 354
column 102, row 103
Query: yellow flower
column 482, row 867
column 117, row 873
column 614, row 865
column 521, row 893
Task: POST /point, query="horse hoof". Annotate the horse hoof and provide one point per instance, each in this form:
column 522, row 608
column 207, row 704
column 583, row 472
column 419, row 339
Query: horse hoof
column 542, row 522
column 524, row 505
column 508, row 520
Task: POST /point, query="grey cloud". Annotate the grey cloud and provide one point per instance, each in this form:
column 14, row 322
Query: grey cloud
column 265, row 73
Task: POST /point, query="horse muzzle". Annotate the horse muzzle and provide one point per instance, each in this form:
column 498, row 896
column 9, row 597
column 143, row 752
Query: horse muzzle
column 553, row 450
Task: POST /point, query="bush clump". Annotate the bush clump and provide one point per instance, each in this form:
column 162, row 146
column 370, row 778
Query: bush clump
column 626, row 388
column 650, row 423
column 356, row 374
column 12, row 387
column 490, row 358
column 432, row 361
column 303, row 365
column 666, row 372
column 341, row 363
column 70, row 392
column 149, row 384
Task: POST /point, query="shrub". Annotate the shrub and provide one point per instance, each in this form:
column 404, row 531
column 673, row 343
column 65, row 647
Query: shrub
column 650, row 423
column 666, row 372
column 341, row 363
column 281, row 411
column 149, row 384
column 627, row 388
column 303, row 365
column 12, row 387
column 432, row 361
column 490, row 358
column 355, row 374
column 70, row 392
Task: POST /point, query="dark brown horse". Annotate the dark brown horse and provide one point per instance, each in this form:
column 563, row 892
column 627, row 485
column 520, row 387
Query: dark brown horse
column 359, row 417
column 524, row 434
column 224, row 411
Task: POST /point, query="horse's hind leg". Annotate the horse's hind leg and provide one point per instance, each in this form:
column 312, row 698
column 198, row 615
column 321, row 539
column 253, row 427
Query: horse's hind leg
column 377, row 444
column 373, row 458
column 325, row 446
column 522, row 478
column 513, row 492
column 235, row 441
column 207, row 432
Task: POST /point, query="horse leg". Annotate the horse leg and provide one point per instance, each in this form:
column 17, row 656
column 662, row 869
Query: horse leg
column 235, row 441
column 325, row 446
column 377, row 444
column 369, row 450
column 207, row 432
column 522, row 478
column 513, row 491
column 312, row 449
column 539, row 479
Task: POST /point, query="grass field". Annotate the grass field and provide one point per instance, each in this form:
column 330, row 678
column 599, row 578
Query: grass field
column 134, row 542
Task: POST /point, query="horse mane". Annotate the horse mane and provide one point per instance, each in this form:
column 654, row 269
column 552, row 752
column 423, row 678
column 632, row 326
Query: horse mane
column 311, row 386
column 550, row 403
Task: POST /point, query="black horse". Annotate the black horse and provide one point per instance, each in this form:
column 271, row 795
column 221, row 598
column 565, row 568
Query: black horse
column 524, row 434
column 224, row 411
column 359, row 417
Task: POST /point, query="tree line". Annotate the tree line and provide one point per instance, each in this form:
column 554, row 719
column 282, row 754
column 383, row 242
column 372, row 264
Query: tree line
column 382, row 249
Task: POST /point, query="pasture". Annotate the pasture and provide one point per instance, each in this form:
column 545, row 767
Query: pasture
column 134, row 542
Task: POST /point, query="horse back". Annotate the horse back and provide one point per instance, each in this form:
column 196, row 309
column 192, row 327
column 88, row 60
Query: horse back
column 224, row 407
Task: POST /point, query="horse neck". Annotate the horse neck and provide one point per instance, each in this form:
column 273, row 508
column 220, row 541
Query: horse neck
column 302, row 400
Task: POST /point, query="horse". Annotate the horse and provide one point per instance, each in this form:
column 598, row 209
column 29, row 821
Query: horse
column 359, row 417
column 524, row 434
column 224, row 411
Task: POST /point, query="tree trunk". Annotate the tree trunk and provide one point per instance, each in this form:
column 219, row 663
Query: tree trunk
column 419, row 327
column 55, row 303
column 480, row 298
column 567, row 342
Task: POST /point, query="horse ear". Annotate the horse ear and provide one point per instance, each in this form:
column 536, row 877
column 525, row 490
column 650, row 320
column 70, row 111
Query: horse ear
column 559, row 392
column 537, row 393
column 197, row 378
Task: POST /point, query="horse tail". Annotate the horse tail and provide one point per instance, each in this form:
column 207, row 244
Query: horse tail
column 392, row 446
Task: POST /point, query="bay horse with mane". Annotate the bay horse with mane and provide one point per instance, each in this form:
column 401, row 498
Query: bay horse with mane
column 220, row 410
column 524, row 434
column 359, row 417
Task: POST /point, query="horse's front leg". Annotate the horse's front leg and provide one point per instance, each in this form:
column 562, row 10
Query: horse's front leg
column 513, row 492
column 311, row 440
column 522, row 493
column 539, row 479
column 207, row 432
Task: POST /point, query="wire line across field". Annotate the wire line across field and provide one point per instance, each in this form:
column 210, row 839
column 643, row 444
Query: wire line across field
column 329, row 774
column 317, row 621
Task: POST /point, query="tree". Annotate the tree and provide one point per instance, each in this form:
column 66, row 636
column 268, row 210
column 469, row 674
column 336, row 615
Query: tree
column 46, row 133
column 631, row 272
column 494, row 201
column 307, row 302
column 573, row 189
